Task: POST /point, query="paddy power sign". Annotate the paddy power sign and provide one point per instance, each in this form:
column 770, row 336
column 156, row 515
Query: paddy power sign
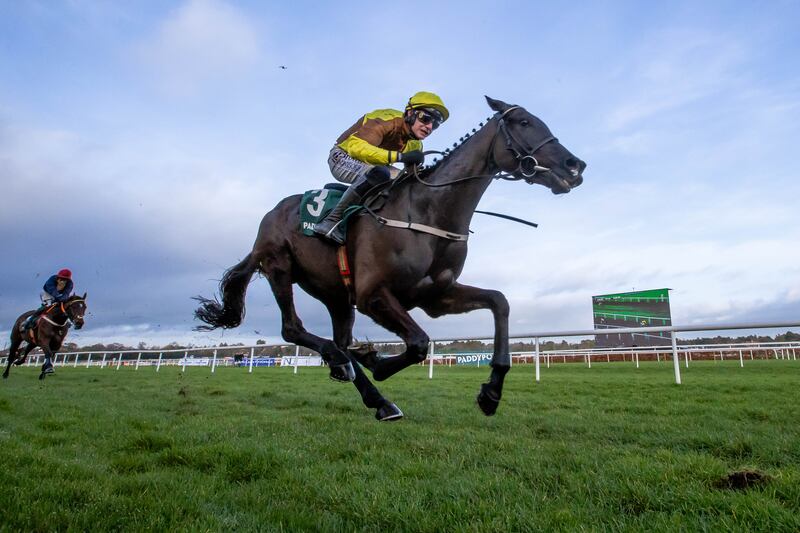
column 475, row 359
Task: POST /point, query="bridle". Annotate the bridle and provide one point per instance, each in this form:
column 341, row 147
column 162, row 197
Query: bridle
column 527, row 164
column 65, row 311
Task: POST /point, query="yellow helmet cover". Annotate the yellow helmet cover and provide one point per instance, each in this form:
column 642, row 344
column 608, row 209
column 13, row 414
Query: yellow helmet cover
column 426, row 99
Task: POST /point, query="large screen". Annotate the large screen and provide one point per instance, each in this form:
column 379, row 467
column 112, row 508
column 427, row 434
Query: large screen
column 632, row 310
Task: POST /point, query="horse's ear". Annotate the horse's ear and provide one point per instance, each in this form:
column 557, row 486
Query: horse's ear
column 497, row 105
column 84, row 295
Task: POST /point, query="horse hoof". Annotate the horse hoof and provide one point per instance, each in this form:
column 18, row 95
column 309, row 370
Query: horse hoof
column 488, row 400
column 42, row 376
column 5, row 376
column 388, row 412
column 19, row 362
column 343, row 373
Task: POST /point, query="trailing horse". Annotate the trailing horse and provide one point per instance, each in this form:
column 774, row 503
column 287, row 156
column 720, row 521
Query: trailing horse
column 397, row 266
column 48, row 333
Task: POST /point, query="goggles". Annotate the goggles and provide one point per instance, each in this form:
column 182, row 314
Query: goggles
column 429, row 117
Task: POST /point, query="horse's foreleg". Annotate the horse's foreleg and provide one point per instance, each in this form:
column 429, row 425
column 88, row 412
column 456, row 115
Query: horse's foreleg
column 463, row 299
column 292, row 330
column 47, row 366
column 382, row 306
column 342, row 318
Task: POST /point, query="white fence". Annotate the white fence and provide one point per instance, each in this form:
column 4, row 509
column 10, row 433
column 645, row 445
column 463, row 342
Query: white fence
column 249, row 358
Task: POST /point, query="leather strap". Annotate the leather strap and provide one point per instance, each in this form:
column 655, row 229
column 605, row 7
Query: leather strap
column 414, row 226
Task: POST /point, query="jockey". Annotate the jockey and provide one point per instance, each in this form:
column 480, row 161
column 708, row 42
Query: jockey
column 57, row 289
column 363, row 154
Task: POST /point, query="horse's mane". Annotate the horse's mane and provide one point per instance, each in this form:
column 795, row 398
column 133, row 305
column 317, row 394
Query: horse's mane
column 446, row 156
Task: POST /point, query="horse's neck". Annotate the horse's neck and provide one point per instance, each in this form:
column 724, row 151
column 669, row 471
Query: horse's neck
column 451, row 207
column 57, row 312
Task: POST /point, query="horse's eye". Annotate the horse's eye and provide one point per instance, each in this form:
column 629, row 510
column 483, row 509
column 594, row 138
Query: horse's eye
column 523, row 122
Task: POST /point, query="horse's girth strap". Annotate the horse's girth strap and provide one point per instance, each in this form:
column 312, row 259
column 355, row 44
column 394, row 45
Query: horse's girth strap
column 344, row 271
column 414, row 226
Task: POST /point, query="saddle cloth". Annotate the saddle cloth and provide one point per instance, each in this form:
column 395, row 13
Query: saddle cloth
column 317, row 203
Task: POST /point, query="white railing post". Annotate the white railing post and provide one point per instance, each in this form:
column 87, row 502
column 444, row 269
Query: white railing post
column 89, row 361
column 431, row 353
column 214, row 362
column 119, row 360
column 138, row 360
column 589, row 359
column 686, row 354
column 185, row 357
column 75, row 364
column 741, row 359
column 675, row 362
column 296, row 358
column 637, row 359
column 103, row 364
column 158, row 365
column 536, row 358
column 252, row 351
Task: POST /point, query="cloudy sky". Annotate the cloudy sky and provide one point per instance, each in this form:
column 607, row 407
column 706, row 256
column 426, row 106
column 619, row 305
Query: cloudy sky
column 142, row 142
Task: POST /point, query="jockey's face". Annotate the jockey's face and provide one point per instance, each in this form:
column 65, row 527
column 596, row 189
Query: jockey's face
column 61, row 283
column 421, row 130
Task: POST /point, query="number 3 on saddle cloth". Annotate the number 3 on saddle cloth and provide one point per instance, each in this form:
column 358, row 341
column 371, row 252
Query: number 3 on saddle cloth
column 316, row 205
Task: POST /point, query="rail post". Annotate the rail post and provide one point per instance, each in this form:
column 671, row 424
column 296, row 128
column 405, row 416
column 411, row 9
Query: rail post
column 252, row 351
column 675, row 361
column 536, row 358
column 214, row 362
column 432, row 352
column 158, row 365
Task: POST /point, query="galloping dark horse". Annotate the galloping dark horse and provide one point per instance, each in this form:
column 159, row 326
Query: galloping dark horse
column 48, row 333
column 397, row 269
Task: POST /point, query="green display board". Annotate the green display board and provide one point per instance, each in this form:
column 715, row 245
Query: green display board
column 632, row 310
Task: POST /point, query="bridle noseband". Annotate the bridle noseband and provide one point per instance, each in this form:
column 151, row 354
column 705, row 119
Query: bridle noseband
column 527, row 164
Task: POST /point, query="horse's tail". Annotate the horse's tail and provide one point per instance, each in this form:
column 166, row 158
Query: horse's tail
column 232, row 288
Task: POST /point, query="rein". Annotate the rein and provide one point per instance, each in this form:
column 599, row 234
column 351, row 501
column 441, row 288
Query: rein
column 64, row 311
column 527, row 165
column 510, row 139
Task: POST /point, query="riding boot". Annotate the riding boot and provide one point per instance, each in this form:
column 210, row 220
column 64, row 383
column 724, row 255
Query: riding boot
column 31, row 320
column 331, row 226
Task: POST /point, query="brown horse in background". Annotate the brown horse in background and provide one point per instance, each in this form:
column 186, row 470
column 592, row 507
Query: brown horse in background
column 394, row 269
column 48, row 333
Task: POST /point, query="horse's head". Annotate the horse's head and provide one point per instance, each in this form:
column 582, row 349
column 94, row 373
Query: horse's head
column 525, row 148
column 75, row 308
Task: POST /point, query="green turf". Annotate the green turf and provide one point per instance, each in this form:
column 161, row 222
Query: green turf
column 606, row 448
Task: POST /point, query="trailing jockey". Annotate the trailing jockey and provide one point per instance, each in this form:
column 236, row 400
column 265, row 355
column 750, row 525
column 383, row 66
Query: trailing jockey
column 57, row 289
column 363, row 154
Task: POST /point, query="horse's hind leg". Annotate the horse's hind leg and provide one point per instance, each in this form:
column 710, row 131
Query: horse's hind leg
column 293, row 331
column 12, row 355
column 28, row 349
column 386, row 310
column 342, row 318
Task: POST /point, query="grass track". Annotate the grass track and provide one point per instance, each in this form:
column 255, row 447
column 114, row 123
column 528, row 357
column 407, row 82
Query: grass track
column 607, row 448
